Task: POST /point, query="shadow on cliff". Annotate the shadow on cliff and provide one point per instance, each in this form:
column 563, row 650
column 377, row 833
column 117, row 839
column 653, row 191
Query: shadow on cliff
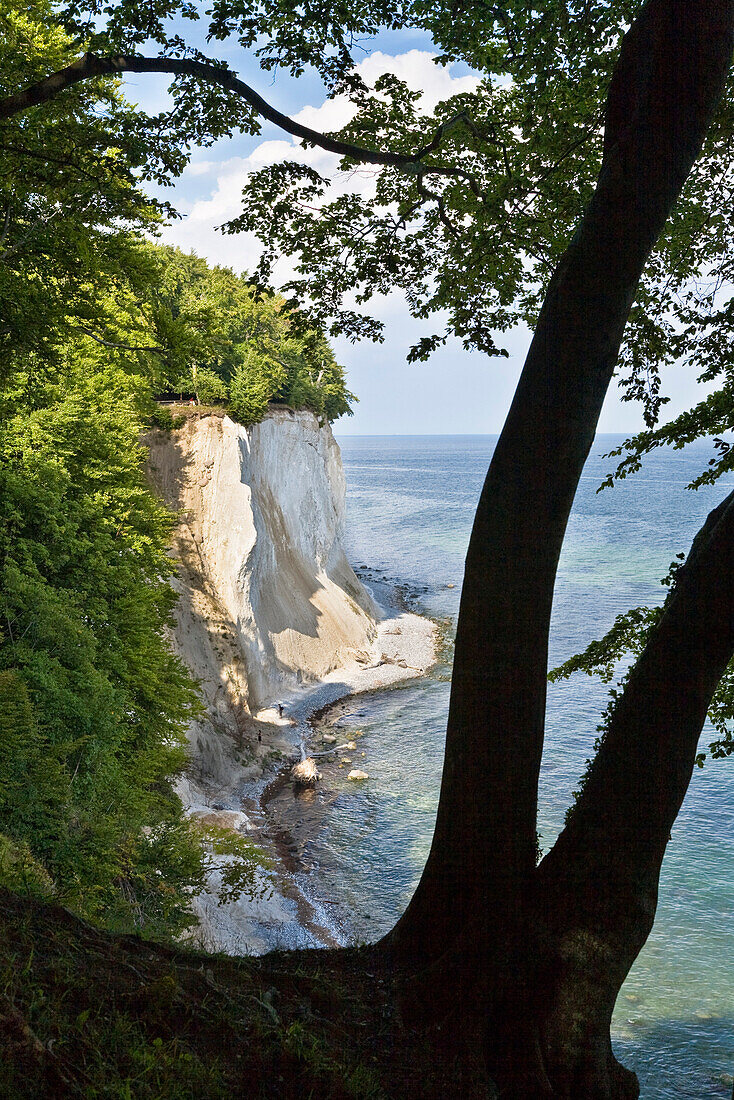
column 285, row 593
column 167, row 473
column 206, row 638
column 290, row 594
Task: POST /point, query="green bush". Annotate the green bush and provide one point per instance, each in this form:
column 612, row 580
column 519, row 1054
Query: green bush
column 255, row 382
column 211, row 389
column 21, row 872
column 224, row 341
column 161, row 418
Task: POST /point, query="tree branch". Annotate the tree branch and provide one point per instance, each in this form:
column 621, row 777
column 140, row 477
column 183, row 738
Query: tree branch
column 596, row 890
column 90, row 66
column 61, row 162
column 440, row 206
column 118, row 347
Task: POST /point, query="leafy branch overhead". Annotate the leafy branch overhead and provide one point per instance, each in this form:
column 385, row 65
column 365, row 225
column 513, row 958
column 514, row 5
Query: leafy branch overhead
column 470, row 205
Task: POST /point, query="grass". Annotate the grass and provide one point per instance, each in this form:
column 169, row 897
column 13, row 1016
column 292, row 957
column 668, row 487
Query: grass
column 84, row 1013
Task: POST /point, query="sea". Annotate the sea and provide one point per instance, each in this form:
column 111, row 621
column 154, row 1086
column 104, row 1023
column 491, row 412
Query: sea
column 410, row 505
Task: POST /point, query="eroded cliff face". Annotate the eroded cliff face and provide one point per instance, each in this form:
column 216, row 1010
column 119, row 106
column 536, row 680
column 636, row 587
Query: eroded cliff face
column 268, row 600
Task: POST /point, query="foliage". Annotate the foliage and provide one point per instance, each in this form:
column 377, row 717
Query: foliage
column 231, row 345
column 254, row 382
column 21, row 872
column 236, row 860
column 211, row 388
column 713, row 415
column 34, row 789
column 84, row 603
column 69, row 197
column 623, row 643
column 161, row 418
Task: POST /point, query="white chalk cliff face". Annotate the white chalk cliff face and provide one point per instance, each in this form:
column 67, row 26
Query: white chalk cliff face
column 269, row 609
column 268, row 600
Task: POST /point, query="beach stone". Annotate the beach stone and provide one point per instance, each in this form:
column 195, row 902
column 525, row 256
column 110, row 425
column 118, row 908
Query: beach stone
column 351, row 744
column 305, row 773
column 222, row 819
column 355, row 773
column 329, row 738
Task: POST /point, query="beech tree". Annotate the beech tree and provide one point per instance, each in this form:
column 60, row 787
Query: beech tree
column 472, row 217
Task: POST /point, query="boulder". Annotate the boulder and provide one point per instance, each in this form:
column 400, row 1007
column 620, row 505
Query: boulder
column 222, row 819
column 355, row 773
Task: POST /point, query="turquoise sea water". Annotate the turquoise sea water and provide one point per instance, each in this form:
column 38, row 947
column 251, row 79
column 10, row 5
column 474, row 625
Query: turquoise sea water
column 410, row 504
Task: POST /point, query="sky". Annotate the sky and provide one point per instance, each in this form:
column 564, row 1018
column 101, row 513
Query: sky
column 455, row 392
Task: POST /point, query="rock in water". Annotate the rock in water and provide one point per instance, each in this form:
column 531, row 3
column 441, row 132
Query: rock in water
column 233, row 820
column 355, row 773
column 305, row 773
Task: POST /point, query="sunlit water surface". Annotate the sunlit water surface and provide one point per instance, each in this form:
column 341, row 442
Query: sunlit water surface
column 410, row 504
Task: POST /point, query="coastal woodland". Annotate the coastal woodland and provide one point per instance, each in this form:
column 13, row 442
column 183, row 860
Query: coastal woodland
column 584, row 188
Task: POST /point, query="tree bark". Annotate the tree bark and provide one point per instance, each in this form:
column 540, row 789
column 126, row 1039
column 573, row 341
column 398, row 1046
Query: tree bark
column 479, row 875
column 596, row 890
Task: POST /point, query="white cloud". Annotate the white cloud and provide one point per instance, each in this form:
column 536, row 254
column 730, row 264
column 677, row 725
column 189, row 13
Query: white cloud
column 220, row 198
column 416, row 67
column 200, row 167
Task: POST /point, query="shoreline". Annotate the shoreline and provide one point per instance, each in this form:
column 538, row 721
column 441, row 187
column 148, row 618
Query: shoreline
column 406, row 646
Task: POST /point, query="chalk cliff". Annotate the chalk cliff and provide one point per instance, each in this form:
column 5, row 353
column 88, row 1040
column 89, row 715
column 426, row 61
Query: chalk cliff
column 269, row 610
column 268, row 600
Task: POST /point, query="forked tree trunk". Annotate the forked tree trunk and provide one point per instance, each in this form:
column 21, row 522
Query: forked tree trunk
column 596, row 890
column 471, row 919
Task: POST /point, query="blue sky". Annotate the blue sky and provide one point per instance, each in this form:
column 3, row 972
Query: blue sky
column 455, row 392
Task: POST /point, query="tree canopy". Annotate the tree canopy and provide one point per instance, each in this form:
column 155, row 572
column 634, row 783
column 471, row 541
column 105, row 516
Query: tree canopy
column 472, row 212
column 230, row 344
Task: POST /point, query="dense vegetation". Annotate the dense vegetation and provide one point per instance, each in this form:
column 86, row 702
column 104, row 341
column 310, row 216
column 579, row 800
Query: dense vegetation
column 229, row 345
column 96, row 320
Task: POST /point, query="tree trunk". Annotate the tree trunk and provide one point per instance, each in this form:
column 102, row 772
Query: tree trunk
column 596, row 890
column 665, row 88
column 470, row 923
